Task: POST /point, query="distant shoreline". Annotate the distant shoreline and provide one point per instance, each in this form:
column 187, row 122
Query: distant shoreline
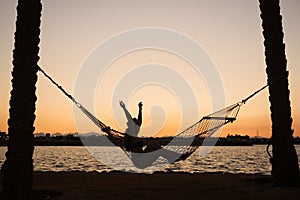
column 71, row 140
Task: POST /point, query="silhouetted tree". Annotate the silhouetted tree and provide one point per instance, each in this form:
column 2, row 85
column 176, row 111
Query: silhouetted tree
column 285, row 169
column 18, row 166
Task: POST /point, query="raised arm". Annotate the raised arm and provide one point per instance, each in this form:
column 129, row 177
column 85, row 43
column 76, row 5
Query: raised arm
column 128, row 115
column 140, row 113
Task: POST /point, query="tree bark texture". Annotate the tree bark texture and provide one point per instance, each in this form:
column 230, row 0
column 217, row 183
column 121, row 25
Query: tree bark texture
column 18, row 166
column 285, row 169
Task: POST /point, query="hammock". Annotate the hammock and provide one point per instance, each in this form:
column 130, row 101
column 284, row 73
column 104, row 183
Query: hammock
column 185, row 143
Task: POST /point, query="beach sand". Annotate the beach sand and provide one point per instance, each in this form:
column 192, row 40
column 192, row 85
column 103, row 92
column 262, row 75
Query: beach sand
column 157, row 186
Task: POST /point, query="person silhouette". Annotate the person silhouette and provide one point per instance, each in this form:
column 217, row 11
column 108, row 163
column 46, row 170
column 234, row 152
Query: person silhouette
column 143, row 155
column 133, row 124
column 133, row 129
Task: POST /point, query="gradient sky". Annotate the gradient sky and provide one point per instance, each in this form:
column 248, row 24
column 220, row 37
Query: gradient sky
column 229, row 31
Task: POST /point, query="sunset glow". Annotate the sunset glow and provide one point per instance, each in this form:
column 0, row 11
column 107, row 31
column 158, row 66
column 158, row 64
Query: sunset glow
column 229, row 31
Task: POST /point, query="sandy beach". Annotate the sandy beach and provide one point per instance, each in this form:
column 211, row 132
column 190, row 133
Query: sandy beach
column 119, row 185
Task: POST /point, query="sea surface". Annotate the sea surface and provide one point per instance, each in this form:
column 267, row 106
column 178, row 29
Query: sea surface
column 223, row 159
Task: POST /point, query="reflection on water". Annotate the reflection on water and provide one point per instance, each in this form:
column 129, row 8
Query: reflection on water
column 246, row 159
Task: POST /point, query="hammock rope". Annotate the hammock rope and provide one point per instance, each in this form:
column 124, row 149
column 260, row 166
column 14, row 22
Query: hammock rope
column 187, row 141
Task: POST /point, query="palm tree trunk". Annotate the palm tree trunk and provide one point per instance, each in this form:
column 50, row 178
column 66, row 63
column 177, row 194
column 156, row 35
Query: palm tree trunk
column 18, row 166
column 285, row 169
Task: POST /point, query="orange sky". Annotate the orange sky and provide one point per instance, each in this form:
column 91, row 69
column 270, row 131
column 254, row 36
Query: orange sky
column 228, row 31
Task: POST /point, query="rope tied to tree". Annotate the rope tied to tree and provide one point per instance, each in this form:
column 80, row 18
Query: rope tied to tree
column 59, row 87
column 262, row 88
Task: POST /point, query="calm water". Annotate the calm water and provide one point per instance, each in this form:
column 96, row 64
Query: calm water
column 246, row 159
